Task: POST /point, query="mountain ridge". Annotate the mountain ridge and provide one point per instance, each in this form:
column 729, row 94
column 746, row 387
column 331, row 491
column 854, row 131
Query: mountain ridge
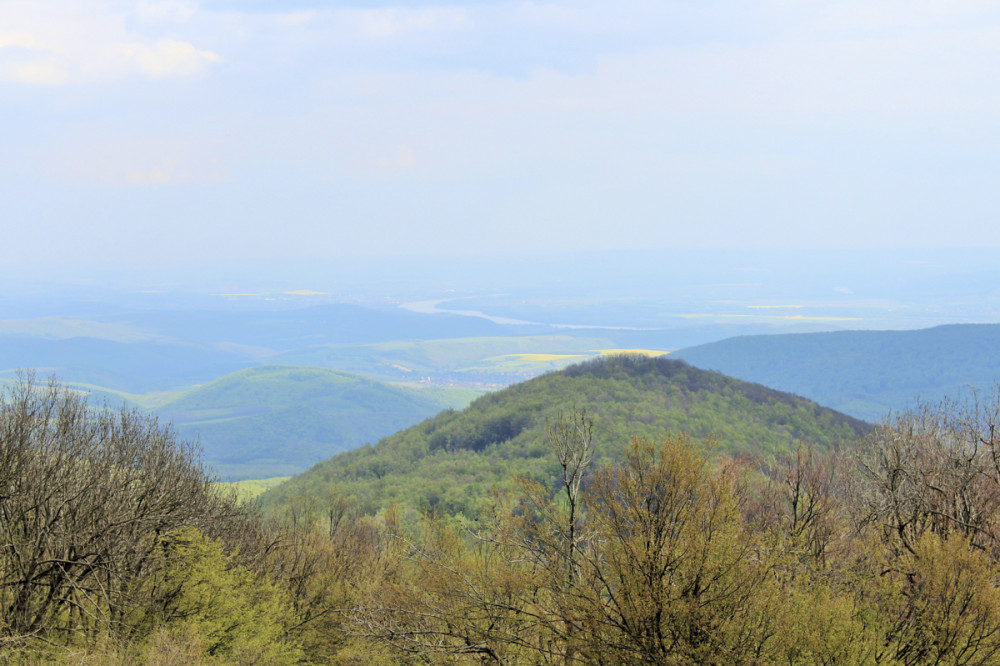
column 450, row 460
column 864, row 373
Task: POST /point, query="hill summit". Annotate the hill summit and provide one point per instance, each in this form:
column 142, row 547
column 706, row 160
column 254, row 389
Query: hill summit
column 449, row 461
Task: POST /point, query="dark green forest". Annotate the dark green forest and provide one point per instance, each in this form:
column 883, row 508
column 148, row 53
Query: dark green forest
column 627, row 542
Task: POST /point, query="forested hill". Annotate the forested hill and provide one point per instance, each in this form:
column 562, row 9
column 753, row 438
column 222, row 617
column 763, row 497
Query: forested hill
column 863, row 373
column 278, row 420
column 450, row 461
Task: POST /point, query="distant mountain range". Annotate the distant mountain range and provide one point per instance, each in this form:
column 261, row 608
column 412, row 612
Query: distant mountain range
column 862, row 373
column 452, row 459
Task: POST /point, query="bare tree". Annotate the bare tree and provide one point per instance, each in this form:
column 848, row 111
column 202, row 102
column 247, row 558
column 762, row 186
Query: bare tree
column 803, row 496
column 86, row 495
column 572, row 440
column 933, row 469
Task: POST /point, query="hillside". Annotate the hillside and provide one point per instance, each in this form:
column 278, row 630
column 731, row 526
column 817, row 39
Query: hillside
column 862, row 373
column 268, row 421
column 450, row 460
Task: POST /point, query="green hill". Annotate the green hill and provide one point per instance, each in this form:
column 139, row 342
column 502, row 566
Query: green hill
column 862, row 373
column 450, row 460
column 278, row 420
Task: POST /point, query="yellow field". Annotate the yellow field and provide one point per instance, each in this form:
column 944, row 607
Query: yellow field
column 637, row 352
column 252, row 488
column 542, row 357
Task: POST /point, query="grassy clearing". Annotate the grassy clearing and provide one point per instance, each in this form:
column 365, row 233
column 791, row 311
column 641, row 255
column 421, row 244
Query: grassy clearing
column 542, row 357
column 253, row 488
column 454, row 397
column 522, row 365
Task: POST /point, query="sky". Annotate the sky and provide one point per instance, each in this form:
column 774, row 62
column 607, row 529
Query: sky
column 178, row 130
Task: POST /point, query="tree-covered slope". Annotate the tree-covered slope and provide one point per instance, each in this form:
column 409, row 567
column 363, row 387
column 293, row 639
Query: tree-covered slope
column 451, row 460
column 862, row 373
column 279, row 419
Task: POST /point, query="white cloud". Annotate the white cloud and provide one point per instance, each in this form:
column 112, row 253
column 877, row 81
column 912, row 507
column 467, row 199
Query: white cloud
column 166, row 11
column 165, row 57
column 825, row 16
column 59, row 41
column 40, row 71
column 392, row 22
column 296, row 19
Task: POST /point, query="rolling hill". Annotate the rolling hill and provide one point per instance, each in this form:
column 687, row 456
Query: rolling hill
column 275, row 420
column 134, row 366
column 862, row 373
column 450, row 461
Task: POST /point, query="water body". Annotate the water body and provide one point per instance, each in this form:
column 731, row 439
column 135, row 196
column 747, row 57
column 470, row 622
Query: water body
column 431, row 307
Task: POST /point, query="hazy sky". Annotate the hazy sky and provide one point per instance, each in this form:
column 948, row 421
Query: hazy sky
column 161, row 131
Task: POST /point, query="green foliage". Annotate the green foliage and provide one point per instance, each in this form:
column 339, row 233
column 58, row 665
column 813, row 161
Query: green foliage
column 678, row 576
column 949, row 611
column 677, row 560
column 669, row 552
column 198, row 594
column 450, row 461
column 88, row 496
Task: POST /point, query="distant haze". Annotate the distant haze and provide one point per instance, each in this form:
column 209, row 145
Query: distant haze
column 785, row 290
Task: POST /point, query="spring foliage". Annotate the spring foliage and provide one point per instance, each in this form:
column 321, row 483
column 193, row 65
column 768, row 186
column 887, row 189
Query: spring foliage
column 450, row 462
column 118, row 549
